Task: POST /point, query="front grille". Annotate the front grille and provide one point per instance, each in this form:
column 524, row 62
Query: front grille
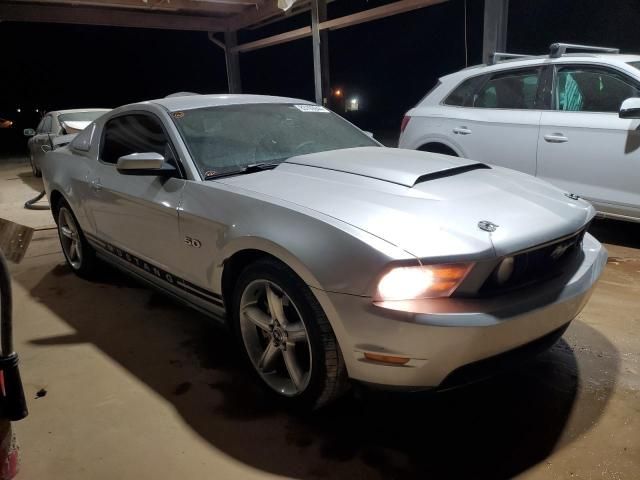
column 537, row 264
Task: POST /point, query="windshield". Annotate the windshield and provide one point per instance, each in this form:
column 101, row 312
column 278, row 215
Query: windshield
column 80, row 116
column 229, row 138
column 635, row 65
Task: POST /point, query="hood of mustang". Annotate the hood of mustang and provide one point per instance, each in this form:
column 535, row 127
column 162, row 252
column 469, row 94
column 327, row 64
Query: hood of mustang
column 428, row 204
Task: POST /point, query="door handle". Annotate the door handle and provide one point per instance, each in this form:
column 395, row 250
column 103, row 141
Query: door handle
column 556, row 138
column 462, row 131
column 96, row 186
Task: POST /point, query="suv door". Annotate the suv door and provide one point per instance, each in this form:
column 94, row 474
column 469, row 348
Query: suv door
column 137, row 215
column 495, row 118
column 584, row 147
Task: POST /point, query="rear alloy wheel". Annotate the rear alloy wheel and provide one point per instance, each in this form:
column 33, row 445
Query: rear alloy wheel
column 79, row 254
column 286, row 336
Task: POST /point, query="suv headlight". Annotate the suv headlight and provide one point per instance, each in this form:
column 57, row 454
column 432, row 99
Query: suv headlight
column 426, row 281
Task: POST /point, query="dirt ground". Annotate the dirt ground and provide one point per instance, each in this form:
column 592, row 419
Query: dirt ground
column 140, row 387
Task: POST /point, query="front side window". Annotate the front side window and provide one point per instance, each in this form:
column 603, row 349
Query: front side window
column 133, row 134
column 226, row 139
column 512, row 90
column 40, row 128
column 46, row 126
column 592, row 89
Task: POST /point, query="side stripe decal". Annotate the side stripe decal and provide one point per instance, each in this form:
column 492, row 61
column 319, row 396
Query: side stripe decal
column 158, row 272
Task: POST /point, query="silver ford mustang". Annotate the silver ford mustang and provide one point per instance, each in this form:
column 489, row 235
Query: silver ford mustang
column 329, row 256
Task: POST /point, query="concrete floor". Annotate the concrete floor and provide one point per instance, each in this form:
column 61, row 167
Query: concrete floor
column 139, row 387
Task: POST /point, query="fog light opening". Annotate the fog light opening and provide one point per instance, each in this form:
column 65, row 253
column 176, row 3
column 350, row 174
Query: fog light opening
column 505, row 270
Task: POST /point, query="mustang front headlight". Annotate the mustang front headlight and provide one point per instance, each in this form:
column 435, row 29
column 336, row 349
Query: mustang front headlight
column 426, row 281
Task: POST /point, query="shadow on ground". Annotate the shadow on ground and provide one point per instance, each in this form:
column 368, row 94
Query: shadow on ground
column 495, row 429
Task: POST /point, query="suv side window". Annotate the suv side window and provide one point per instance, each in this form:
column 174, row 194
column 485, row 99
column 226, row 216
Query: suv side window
column 512, row 90
column 463, row 94
column 137, row 133
column 592, row 89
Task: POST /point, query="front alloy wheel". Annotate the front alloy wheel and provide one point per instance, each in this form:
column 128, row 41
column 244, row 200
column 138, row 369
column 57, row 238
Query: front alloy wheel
column 286, row 336
column 275, row 337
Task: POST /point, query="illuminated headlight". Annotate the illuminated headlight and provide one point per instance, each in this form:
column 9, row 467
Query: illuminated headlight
column 427, row 281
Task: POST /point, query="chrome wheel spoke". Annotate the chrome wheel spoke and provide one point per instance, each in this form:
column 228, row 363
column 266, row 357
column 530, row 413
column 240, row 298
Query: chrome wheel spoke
column 276, row 306
column 66, row 231
column 258, row 318
column 268, row 356
column 296, row 375
column 296, row 333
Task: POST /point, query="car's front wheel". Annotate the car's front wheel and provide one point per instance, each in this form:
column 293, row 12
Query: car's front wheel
column 286, row 336
column 80, row 256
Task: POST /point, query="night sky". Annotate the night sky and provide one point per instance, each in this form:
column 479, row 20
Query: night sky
column 388, row 64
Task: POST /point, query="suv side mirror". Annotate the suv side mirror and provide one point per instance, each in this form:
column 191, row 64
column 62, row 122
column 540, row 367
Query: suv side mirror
column 630, row 108
column 147, row 163
column 29, row 132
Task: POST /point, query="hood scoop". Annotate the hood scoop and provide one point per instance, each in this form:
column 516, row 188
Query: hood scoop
column 402, row 167
column 450, row 172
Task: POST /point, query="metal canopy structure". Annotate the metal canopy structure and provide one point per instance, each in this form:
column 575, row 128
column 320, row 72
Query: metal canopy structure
column 226, row 17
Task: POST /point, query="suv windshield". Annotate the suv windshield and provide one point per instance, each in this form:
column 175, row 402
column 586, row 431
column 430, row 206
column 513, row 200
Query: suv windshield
column 230, row 138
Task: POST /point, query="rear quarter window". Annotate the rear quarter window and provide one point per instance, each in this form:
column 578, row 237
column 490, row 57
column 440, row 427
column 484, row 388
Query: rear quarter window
column 463, row 94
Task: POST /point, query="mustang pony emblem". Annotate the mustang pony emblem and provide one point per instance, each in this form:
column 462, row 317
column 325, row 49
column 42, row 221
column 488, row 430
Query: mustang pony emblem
column 487, row 226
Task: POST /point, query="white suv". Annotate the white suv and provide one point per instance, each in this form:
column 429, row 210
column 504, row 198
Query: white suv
column 571, row 119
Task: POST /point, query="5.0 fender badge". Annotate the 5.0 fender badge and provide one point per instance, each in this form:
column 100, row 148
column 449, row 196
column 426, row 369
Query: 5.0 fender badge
column 572, row 196
column 487, row 226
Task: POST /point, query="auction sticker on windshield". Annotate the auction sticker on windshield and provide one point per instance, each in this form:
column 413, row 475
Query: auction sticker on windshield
column 311, row 108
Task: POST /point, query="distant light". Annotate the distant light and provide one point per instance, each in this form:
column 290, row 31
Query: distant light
column 354, row 101
column 37, row 110
column 18, row 110
column 338, row 93
column 353, row 105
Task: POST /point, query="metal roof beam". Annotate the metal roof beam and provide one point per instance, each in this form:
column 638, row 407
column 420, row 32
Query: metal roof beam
column 395, row 8
column 109, row 17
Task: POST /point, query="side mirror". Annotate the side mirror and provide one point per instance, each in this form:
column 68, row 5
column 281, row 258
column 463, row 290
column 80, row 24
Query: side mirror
column 147, row 163
column 630, row 108
column 29, row 132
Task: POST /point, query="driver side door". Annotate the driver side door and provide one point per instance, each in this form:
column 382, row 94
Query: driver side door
column 137, row 215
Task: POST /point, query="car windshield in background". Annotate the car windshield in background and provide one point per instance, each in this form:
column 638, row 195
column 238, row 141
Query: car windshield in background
column 80, row 116
column 635, row 65
column 228, row 139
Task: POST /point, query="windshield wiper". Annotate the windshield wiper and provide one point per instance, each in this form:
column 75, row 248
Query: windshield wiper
column 252, row 168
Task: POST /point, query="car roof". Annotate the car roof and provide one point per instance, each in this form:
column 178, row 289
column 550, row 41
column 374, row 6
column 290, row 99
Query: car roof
column 188, row 102
column 78, row 110
column 611, row 58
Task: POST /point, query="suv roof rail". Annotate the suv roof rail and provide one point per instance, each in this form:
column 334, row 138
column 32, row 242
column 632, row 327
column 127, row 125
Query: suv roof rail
column 498, row 56
column 556, row 50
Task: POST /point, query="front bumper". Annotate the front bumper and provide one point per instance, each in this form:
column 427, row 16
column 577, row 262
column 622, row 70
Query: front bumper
column 440, row 336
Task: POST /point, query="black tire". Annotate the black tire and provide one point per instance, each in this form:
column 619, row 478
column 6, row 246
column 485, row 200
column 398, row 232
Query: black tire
column 327, row 379
column 85, row 264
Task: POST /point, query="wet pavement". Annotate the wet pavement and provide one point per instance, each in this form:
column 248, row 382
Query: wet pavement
column 141, row 387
